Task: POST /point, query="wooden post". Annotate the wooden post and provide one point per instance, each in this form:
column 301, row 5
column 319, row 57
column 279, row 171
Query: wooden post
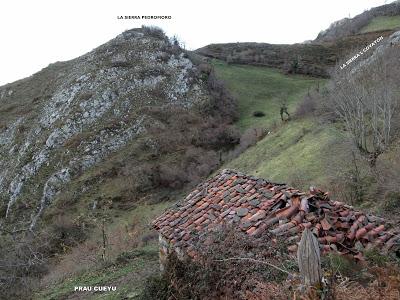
column 103, row 231
column 309, row 260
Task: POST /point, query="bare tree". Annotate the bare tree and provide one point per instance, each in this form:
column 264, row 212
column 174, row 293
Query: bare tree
column 366, row 98
column 22, row 261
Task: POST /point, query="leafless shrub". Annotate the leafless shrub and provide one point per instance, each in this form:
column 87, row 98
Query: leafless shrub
column 199, row 163
column 171, row 176
column 205, row 68
column 350, row 182
column 217, row 136
column 222, row 102
column 154, row 31
column 137, row 178
column 249, row 138
column 65, row 234
column 145, row 239
column 23, row 259
column 366, row 101
column 307, row 107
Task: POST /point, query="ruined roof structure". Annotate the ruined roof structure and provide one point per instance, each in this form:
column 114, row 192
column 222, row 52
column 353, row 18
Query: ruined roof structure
column 256, row 207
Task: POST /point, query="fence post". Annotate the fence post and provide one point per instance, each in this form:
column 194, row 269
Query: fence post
column 309, row 260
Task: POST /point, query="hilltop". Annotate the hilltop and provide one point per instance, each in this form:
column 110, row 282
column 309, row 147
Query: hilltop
column 317, row 57
column 84, row 141
column 71, row 116
column 382, row 18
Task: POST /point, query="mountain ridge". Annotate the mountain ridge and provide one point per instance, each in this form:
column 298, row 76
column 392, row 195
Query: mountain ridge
column 91, row 108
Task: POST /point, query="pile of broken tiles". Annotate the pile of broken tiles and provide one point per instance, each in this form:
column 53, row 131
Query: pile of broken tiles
column 256, row 206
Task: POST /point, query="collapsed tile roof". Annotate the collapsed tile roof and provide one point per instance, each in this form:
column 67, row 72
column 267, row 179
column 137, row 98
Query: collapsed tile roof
column 257, row 206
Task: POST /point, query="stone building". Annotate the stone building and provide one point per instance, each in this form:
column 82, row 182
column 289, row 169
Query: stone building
column 257, row 206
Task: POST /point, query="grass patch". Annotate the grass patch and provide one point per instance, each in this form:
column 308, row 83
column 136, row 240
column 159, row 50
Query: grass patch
column 128, row 278
column 382, row 23
column 295, row 154
column 262, row 89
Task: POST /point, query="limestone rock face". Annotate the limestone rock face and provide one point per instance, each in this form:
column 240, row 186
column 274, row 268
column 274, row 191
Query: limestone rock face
column 71, row 115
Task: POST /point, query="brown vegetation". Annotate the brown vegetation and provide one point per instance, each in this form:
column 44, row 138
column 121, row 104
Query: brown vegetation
column 231, row 266
column 367, row 102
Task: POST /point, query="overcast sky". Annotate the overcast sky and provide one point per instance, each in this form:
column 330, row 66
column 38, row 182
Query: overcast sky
column 35, row 33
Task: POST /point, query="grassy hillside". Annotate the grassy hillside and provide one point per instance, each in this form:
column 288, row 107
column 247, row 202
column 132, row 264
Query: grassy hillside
column 306, row 150
column 382, row 23
column 262, row 89
column 294, row 152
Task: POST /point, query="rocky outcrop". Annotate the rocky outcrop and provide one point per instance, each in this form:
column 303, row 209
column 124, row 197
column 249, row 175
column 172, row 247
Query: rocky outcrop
column 68, row 117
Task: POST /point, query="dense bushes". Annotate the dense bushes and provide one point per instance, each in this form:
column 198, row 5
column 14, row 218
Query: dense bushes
column 258, row 114
column 22, row 262
column 64, row 234
column 231, row 266
column 308, row 106
column 222, row 103
column 187, row 145
column 154, row 31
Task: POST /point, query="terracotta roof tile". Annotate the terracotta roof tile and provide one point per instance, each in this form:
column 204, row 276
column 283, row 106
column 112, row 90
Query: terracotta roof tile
column 258, row 206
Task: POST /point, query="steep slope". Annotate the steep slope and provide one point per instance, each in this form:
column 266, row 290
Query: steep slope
column 73, row 115
column 299, row 146
column 309, row 149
